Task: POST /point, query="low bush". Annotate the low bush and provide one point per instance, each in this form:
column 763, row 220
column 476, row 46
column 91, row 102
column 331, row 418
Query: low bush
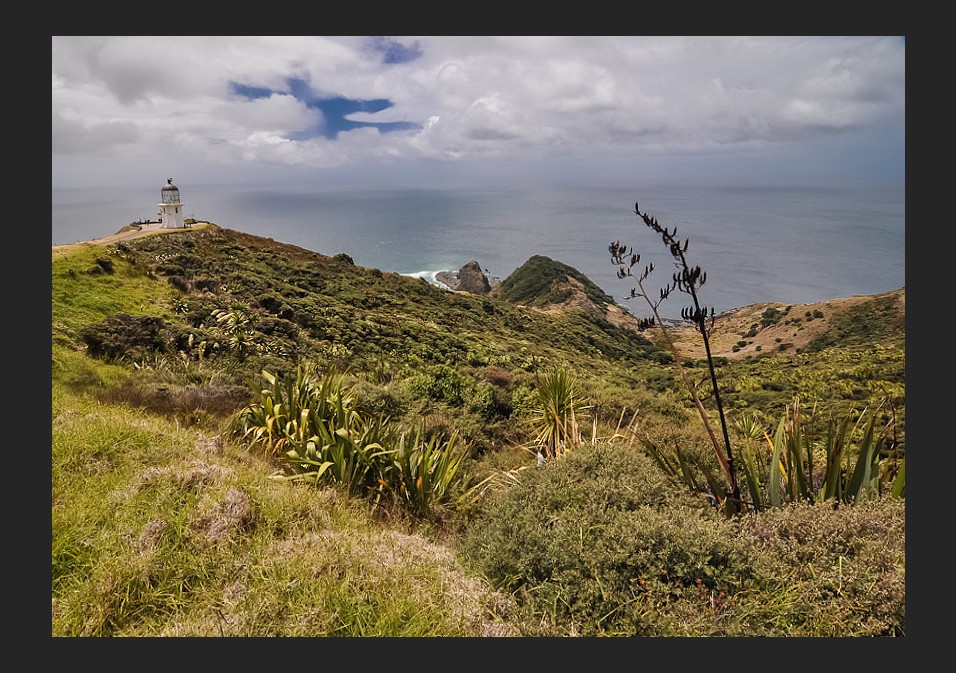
column 442, row 383
column 602, row 543
column 125, row 336
column 822, row 571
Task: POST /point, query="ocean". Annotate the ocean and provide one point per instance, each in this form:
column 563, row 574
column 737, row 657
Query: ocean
column 756, row 243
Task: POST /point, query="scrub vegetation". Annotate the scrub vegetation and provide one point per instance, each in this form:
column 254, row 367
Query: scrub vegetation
column 253, row 439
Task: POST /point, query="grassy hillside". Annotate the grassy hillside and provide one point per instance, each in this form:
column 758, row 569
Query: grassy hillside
column 168, row 522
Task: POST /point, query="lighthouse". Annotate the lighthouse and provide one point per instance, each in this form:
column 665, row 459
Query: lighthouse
column 171, row 207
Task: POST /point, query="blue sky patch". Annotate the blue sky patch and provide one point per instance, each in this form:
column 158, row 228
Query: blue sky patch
column 334, row 109
column 393, row 52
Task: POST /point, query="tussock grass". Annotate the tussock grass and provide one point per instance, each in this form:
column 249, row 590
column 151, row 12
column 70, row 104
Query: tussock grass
column 159, row 531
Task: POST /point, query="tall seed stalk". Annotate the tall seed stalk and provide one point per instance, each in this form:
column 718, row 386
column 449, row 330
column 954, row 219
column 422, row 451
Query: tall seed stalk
column 688, row 280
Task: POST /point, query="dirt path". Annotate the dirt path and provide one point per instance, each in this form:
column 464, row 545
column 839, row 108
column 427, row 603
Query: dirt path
column 124, row 234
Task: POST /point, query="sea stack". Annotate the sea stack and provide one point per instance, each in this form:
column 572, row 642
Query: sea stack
column 469, row 278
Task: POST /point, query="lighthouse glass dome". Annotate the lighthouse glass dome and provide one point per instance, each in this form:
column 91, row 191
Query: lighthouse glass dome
column 171, row 192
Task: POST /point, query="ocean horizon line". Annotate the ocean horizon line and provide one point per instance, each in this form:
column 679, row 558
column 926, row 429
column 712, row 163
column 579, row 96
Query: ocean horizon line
column 797, row 244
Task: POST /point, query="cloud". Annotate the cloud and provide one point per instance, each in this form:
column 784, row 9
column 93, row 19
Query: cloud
column 71, row 136
column 322, row 102
column 393, row 51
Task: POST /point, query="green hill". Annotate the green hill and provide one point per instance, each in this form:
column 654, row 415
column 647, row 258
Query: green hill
column 541, row 281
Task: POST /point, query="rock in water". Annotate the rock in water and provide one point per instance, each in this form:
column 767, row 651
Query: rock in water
column 469, row 278
column 472, row 279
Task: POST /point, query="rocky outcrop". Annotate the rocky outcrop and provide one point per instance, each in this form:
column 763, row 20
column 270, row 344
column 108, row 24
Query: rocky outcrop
column 472, row 279
column 469, row 278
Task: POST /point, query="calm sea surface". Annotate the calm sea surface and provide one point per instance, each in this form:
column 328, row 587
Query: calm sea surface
column 794, row 245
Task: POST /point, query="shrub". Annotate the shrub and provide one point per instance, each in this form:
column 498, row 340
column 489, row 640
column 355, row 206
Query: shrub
column 825, row 572
column 105, row 264
column 441, row 383
column 498, row 377
column 601, row 542
column 178, row 282
column 380, row 399
column 206, row 285
column 272, row 303
column 771, row 316
column 489, row 401
column 523, row 401
column 125, row 336
column 185, row 403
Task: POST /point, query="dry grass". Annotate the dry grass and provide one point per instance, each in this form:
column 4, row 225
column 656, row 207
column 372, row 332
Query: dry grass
column 732, row 327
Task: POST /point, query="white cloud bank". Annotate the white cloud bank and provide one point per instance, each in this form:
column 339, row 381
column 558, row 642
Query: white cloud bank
column 128, row 108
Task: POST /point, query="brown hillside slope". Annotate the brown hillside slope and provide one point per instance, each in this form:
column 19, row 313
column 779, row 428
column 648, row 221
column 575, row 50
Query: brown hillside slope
column 796, row 327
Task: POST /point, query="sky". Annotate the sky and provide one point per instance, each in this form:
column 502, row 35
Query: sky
column 381, row 111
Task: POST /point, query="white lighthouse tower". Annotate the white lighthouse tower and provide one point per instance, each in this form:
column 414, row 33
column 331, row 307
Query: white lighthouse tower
column 171, row 207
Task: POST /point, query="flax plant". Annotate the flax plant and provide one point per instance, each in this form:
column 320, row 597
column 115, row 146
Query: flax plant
column 854, row 454
column 688, row 280
column 313, row 423
column 286, row 409
column 429, row 472
column 353, row 457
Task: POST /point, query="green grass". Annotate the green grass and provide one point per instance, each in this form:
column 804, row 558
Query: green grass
column 159, row 531
column 83, row 292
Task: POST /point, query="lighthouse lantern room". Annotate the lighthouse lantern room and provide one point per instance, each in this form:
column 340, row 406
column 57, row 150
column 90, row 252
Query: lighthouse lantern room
column 171, row 207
